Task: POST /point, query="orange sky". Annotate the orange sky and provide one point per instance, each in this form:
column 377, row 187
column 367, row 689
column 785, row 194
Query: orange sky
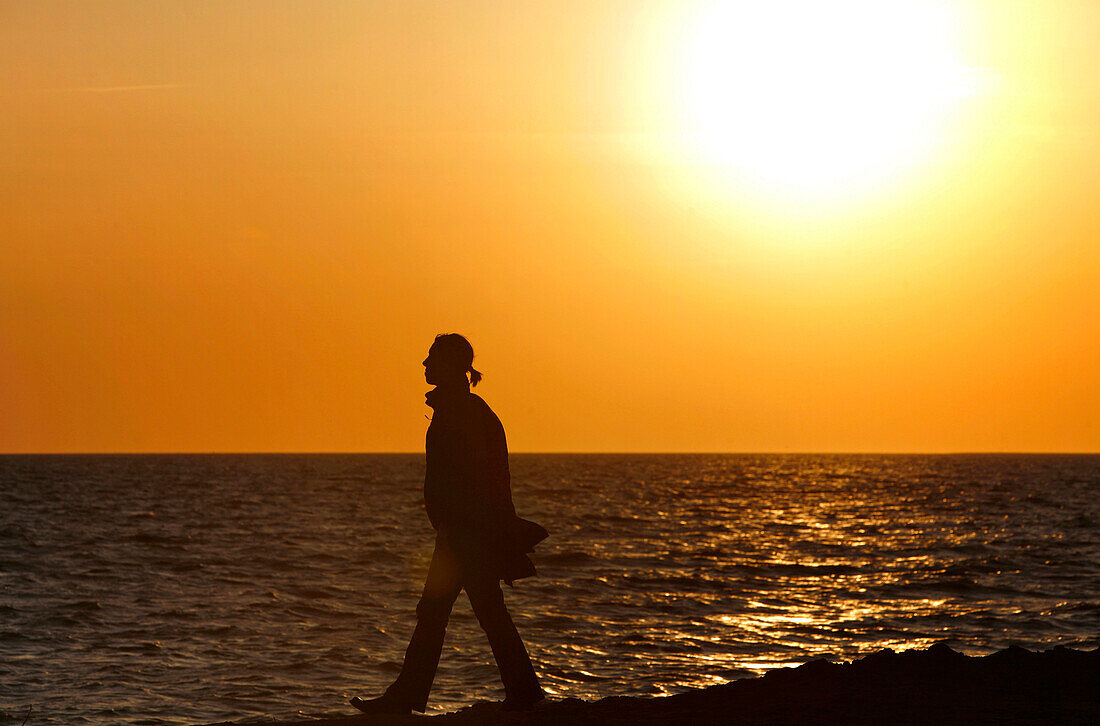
column 236, row 226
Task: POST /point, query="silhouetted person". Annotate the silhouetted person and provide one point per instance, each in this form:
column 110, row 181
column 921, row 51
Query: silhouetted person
column 479, row 539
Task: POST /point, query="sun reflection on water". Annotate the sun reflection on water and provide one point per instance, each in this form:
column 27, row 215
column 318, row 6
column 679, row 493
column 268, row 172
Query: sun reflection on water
column 662, row 573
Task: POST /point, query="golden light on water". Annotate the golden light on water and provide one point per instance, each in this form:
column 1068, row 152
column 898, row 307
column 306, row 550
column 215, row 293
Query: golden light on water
column 814, row 98
column 798, row 623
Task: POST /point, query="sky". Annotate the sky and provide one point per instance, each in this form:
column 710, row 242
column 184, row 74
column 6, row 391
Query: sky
column 664, row 226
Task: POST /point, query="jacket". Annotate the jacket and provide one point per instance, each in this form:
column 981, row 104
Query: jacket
column 467, row 488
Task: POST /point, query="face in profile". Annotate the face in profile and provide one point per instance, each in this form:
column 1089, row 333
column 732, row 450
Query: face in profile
column 432, row 366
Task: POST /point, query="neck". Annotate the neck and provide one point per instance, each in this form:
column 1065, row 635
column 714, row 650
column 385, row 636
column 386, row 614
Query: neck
column 453, row 385
column 450, row 391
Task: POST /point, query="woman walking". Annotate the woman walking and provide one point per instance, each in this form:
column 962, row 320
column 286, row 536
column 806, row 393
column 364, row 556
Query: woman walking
column 479, row 539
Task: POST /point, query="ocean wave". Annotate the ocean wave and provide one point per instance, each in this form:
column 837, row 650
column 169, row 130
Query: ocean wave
column 232, row 585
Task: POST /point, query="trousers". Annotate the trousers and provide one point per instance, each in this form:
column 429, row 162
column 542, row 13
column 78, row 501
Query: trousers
column 447, row 577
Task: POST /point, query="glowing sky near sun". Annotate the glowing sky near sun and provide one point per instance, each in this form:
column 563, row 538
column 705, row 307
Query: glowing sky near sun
column 665, row 226
column 821, row 100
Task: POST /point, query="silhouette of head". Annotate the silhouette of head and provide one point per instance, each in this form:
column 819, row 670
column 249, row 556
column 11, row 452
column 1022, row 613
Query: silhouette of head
column 449, row 359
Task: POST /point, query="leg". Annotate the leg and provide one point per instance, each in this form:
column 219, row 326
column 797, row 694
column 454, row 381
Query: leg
column 521, row 685
column 422, row 656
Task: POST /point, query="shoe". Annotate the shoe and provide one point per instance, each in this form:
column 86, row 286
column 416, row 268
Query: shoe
column 523, row 704
column 381, row 705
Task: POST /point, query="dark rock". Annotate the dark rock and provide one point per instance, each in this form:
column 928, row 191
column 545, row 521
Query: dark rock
column 918, row 687
column 944, row 651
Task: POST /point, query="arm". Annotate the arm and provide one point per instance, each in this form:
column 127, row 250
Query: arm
column 451, row 473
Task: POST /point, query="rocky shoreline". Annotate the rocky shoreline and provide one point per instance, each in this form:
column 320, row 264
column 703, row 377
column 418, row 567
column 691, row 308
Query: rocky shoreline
column 933, row 686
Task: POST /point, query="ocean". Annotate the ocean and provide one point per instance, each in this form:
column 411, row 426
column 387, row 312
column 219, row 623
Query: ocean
column 189, row 589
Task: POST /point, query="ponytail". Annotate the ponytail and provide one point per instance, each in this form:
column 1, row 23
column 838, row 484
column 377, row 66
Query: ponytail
column 475, row 376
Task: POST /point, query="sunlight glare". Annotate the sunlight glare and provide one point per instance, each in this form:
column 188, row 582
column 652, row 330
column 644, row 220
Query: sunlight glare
column 813, row 97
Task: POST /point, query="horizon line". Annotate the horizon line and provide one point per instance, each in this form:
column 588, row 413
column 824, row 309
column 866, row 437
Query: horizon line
column 564, row 453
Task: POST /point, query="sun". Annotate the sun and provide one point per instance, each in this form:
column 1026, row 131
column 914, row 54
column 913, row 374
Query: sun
column 819, row 97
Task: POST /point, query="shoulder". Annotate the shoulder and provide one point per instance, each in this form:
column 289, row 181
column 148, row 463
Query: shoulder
column 478, row 404
column 466, row 412
column 489, row 421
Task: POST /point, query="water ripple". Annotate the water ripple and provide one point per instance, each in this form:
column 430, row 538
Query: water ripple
column 186, row 589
